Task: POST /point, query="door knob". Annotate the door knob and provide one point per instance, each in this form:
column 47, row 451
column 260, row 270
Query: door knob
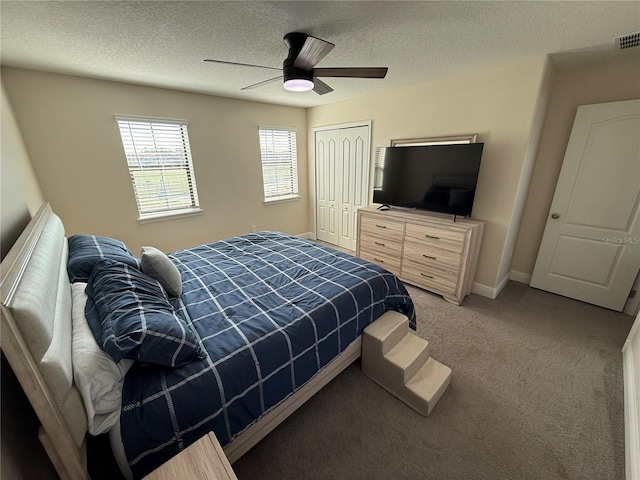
column 555, row 216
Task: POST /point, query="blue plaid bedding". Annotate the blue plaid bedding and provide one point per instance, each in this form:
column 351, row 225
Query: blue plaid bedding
column 271, row 310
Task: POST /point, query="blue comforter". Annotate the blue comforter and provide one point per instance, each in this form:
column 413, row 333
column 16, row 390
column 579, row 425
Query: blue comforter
column 271, row 310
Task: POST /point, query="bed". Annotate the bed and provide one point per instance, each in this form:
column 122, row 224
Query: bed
column 274, row 319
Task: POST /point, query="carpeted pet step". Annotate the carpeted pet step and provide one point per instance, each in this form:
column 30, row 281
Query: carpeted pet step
column 387, row 331
column 408, row 355
column 428, row 385
column 398, row 360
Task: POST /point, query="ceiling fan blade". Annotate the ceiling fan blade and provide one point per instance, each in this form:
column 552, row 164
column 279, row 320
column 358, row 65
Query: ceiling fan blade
column 320, row 87
column 351, row 72
column 264, row 82
column 313, row 50
column 240, row 64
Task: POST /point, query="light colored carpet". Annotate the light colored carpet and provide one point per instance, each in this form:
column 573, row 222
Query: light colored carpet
column 536, row 393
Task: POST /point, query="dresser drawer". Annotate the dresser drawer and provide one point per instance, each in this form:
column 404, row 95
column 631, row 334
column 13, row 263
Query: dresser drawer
column 381, row 228
column 427, row 255
column 438, row 237
column 430, row 278
column 381, row 245
column 389, row 262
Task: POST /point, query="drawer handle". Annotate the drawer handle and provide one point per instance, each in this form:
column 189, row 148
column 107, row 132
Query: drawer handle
column 429, row 256
column 425, row 275
column 378, row 260
column 381, row 226
column 432, row 236
column 379, row 243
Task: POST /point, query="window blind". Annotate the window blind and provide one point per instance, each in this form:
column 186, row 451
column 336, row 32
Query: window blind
column 159, row 159
column 279, row 163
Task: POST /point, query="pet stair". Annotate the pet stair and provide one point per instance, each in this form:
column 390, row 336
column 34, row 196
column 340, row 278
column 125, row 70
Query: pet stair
column 398, row 360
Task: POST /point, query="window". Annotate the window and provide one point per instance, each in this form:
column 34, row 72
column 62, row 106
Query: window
column 159, row 160
column 279, row 163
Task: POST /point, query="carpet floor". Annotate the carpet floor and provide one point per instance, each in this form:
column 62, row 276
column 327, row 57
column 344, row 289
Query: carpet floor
column 536, row 393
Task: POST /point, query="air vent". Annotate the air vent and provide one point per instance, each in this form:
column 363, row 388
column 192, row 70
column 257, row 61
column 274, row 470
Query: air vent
column 628, row 41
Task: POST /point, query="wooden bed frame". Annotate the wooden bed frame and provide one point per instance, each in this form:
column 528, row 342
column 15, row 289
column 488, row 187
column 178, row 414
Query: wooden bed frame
column 69, row 458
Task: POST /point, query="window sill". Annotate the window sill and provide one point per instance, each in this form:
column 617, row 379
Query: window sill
column 290, row 198
column 161, row 217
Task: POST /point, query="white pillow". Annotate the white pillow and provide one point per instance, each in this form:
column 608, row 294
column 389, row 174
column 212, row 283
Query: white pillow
column 157, row 265
column 96, row 375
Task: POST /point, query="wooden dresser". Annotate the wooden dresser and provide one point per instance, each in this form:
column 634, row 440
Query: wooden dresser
column 424, row 249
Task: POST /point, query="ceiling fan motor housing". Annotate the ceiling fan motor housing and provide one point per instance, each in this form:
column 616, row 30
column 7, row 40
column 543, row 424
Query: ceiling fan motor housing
column 295, row 41
column 292, row 73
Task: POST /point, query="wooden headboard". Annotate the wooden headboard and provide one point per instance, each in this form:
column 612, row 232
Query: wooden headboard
column 36, row 338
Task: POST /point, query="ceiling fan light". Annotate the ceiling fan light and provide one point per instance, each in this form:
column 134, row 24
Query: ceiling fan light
column 298, row 85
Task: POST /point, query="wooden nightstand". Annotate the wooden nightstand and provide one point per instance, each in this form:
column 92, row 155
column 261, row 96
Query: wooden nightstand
column 204, row 460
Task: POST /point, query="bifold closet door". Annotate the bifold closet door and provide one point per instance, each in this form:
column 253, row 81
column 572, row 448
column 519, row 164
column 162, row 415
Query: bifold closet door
column 354, row 162
column 342, row 177
column 326, row 191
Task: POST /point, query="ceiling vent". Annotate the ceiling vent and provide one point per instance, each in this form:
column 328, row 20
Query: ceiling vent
column 628, row 41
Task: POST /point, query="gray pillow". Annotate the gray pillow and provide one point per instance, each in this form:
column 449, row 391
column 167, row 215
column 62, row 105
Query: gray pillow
column 157, row 265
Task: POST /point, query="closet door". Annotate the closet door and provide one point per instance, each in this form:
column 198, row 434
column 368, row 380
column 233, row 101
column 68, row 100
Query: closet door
column 333, row 190
column 361, row 166
column 345, row 185
column 322, row 182
column 327, row 173
column 354, row 181
column 342, row 180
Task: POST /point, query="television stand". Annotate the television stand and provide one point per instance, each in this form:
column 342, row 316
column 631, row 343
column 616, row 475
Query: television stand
column 422, row 248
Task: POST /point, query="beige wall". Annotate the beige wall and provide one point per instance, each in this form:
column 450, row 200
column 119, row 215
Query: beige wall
column 22, row 456
column 604, row 82
column 20, row 195
column 498, row 102
column 68, row 126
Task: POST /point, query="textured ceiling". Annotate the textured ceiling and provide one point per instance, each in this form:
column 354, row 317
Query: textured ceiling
column 163, row 43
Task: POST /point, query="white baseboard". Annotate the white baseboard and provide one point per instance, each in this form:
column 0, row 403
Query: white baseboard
column 631, row 406
column 484, row 290
column 489, row 292
column 492, row 292
column 520, row 277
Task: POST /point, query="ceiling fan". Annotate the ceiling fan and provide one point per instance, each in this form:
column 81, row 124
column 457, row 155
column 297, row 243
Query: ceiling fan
column 298, row 69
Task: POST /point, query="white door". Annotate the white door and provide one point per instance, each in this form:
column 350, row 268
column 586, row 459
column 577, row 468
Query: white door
column 327, row 170
column 346, row 183
column 361, row 166
column 590, row 250
column 333, row 190
column 322, row 179
column 342, row 180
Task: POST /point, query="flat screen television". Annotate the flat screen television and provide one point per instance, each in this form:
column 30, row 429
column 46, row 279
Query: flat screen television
column 439, row 178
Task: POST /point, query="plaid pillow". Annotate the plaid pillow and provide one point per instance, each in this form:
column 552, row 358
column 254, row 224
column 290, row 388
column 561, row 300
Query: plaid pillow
column 86, row 250
column 131, row 317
